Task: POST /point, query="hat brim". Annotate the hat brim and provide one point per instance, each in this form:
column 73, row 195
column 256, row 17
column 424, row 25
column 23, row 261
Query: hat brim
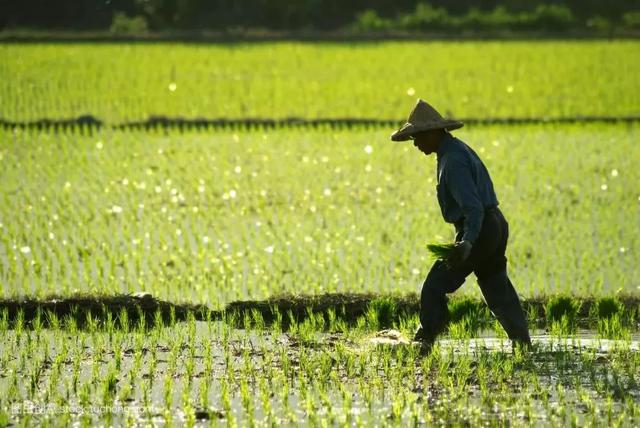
column 408, row 130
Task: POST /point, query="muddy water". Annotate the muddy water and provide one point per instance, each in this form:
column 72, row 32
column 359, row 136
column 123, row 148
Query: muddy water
column 488, row 342
column 214, row 374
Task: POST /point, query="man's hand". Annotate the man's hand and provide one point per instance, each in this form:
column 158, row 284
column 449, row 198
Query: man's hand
column 459, row 254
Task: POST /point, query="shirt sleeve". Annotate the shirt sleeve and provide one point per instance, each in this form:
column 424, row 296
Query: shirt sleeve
column 464, row 191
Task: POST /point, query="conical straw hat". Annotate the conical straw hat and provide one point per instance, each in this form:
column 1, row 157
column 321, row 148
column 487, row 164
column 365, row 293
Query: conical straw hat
column 423, row 118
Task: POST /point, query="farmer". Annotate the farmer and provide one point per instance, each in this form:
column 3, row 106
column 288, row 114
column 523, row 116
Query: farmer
column 467, row 199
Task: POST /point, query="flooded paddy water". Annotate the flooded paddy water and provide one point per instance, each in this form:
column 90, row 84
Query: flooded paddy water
column 211, row 373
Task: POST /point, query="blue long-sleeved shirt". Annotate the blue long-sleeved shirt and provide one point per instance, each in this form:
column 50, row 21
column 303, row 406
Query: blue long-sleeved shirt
column 464, row 186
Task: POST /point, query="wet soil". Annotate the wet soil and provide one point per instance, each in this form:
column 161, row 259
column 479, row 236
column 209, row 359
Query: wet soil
column 159, row 377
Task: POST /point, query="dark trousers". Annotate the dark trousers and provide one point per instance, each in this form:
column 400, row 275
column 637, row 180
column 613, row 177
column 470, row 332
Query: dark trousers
column 487, row 260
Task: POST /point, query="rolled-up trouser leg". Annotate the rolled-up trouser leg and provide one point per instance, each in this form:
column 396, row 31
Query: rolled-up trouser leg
column 434, row 314
column 505, row 305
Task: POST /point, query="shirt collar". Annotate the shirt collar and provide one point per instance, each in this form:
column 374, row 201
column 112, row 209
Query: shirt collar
column 445, row 145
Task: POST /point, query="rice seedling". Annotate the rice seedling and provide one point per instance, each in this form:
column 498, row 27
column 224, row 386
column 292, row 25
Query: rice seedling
column 132, row 82
column 440, row 251
column 380, row 313
column 613, row 328
column 354, row 194
column 239, row 234
column 189, row 217
column 606, row 307
column 561, row 313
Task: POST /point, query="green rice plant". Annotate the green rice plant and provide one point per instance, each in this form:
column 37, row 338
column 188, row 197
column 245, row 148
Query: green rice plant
column 339, row 324
column 123, row 320
column 314, row 321
column 332, row 319
column 497, row 329
column 276, row 324
column 225, row 395
column 466, row 307
column 109, row 385
column 257, row 320
column 470, row 314
column 409, row 324
column 167, row 390
column 158, row 321
column 561, row 313
column 134, row 81
column 172, row 316
column 380, row 313
column 440, row 251
column 141, row 325
column 108, row 321
column 562, row 327
column 613, row 327
column 533, row 317
column 4, row 418
column 189, row 366
column 361, row 325
column 265, row 397
column 84, row 394
column 337, row 257
column 246, row 321
column 463, row 329
column 189, row 410
column 284, row 397
column 37, row 323
column 4, row 319
column 34, row 377
column 305, row 330
column 18, row 324
column 606, row 307
column 52, row 320
column 168, row 416
column 125, row 393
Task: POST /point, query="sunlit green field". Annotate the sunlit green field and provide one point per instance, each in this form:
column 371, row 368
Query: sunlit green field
column 380, row 80
column 214, row 216
column 218, row 216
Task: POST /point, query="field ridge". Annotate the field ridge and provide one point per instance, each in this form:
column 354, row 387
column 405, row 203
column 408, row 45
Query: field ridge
column 285, row 308
column 257, row 122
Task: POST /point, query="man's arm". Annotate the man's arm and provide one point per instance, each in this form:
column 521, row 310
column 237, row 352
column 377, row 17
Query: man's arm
column 464, row 191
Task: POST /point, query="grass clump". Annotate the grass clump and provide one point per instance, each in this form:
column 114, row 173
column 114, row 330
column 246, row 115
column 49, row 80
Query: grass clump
column 606, row 307
column 440, row 251
column 613, row 327
column 381, row 313
column 561, row 313
column 609, row 315
column 467, row 307
column 562, row 306
column 467, row 317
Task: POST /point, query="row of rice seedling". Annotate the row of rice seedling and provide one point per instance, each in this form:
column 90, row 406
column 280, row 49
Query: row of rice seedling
column 215, row 217
column 605, row 317
column 197, row 371
column 123, row 82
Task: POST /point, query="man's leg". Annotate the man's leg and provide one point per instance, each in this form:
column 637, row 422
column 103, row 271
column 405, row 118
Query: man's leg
column 503, row 301
column 497, row 288
column 434, row 313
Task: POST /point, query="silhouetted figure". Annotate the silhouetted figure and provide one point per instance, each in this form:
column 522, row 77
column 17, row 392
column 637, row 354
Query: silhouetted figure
column 468, row 201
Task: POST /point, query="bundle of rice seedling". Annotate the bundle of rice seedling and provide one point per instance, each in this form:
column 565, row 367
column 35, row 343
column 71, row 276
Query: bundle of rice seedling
column 440, row 251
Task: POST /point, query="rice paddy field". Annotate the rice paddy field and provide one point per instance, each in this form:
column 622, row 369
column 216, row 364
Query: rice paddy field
column 213, row 217
column 239, row 249
column 124, row 82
